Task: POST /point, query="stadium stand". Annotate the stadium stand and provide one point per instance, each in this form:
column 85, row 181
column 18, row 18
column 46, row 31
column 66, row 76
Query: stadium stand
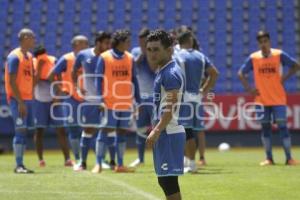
column 217, row 24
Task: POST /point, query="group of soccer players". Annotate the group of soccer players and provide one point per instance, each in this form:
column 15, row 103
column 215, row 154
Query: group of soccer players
column 102, row 93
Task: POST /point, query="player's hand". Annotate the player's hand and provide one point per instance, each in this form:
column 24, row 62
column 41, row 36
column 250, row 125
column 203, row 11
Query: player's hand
column 22, row 109
column 152, row 137
column 253, row 92
column 102, row 107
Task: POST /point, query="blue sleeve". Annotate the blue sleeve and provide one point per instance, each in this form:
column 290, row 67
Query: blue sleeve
column 135, row 82
column 171, row 81
column 207, row 63
column 135, row 54
column 13, row 64
column 78, row 61
column 61, row 66
column 99, row 71
column 287, row 60
column 247, row 66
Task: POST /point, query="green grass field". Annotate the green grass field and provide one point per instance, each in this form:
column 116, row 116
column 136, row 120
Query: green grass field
column 233, row 175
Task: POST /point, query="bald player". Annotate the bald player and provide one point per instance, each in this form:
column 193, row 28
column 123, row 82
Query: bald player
column 67, row 91
column 19, row 90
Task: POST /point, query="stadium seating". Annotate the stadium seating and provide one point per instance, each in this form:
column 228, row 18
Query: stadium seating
column 225, row 29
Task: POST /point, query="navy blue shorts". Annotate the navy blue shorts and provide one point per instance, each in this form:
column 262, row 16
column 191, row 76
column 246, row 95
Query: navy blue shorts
column 168, row 153
column 25, row 122
column 191, row 116
column 267, row 114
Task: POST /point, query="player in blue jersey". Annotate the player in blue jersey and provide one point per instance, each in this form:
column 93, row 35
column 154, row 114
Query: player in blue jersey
column 167, row 137
column 195, row 66
column 67, row 92
column 145, row 76
column 19, row 81
column 86, row 60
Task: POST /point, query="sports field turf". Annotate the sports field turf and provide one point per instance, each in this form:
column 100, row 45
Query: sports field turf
column 233, row 175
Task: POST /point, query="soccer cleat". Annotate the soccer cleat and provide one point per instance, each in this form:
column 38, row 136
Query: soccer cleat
column 201, row 162
column 267, row 162
column 136, row 163
column 112, row 164
column 97, row 169
column 105, row 165
column 42, row 163
column 292, row 162
column 123, row 169
column 23, row 170
column 79, row 167
column 69, row 163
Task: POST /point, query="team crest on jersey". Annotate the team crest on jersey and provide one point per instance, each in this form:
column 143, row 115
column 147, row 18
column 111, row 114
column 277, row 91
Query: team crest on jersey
column 19, row 121
column 89, row 61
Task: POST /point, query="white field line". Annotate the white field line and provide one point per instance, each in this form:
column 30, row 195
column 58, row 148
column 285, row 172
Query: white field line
column 135, row 190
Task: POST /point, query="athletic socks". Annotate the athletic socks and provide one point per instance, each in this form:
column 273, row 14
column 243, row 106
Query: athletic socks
column 74, row 138
column 266, row 139
column 19, row 145
column 286, row 141
column 140, row 141
column 120, row 148
column 101, row 146
column 85, row 144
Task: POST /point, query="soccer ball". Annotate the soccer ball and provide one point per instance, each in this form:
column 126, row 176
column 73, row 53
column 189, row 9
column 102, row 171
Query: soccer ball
column 224, row 147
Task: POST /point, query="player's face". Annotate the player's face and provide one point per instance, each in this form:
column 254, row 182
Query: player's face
column 29, row 41
column 104, row 45
column 80, row 45
column 157, row 54
column 264, row 44
column 127, row 44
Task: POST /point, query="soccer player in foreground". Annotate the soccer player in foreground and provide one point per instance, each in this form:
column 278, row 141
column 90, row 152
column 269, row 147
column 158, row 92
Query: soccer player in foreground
column 19, row 83
column 195, row 65
column 167, row 137
column 269, row 92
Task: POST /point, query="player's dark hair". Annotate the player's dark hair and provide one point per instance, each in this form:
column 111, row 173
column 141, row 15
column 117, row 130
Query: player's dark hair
column 162, row 36
column 102, row 35
column 184, row 37
column 119, row 36
column 39, row 50
column 261, row 34
column 144, row 32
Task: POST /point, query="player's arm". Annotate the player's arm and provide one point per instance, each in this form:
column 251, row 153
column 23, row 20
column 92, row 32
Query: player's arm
column 13, row 64
column 212, row 74
column 166, row 117
column 76, row 67
column 242, row 74
column 99, row 71
column 135, row 82
column 293, row 65
column 60, row 66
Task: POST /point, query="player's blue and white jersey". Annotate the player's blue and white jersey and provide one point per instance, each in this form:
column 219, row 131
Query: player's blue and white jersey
column 87, row 59
column 169, row 77
column 194, row 65
column 145, row 75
